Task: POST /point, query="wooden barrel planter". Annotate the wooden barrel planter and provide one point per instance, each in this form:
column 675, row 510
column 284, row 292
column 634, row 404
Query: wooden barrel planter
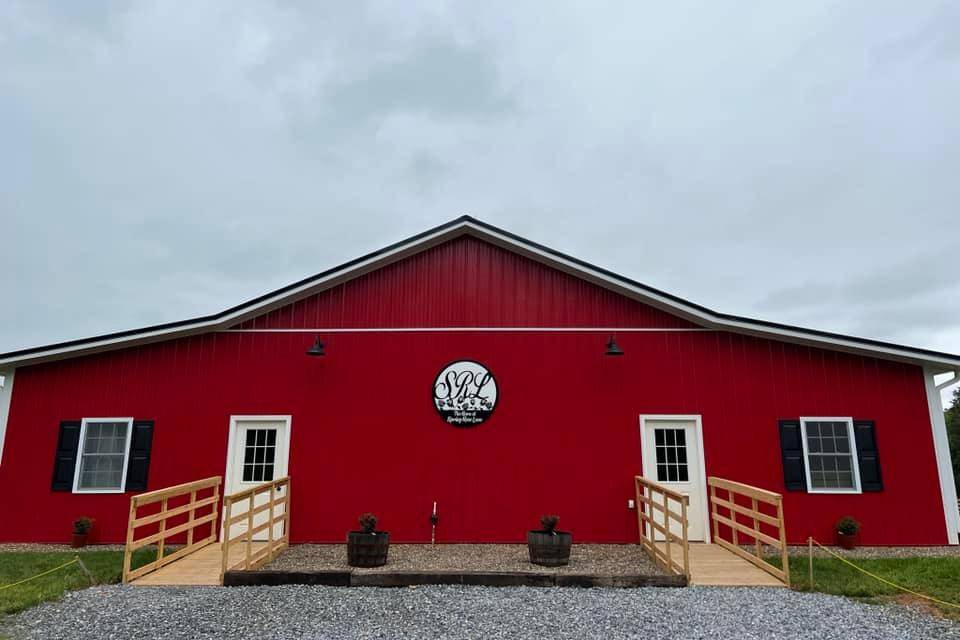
column 367, row 549
column 549, row 549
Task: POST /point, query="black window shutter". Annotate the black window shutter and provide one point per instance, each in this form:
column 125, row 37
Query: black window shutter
column 791, row 450
column 65, row 462
column 867, row 455
column 141, row 440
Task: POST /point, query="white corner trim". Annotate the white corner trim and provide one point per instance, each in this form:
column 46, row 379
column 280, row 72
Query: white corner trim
column 698, row 427
column 851, row 438
column 941, row 447
column 6, row 395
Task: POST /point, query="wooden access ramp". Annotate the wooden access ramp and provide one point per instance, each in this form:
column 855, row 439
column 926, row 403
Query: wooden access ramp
column 201, row 568
column 737, row 510
column 190, row 512
column 712, row 565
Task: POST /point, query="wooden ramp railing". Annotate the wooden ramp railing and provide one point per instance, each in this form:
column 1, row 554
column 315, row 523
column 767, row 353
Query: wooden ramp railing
column 266, row 498
column 180, row 502
column 743, row 503
column 657, row 508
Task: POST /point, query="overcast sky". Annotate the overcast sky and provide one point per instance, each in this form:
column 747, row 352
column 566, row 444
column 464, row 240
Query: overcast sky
column 796, row 162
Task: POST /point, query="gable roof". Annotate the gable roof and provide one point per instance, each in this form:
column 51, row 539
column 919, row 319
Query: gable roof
column 466, row 225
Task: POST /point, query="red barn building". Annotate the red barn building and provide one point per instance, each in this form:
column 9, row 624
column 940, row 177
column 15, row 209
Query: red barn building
column 496, row 377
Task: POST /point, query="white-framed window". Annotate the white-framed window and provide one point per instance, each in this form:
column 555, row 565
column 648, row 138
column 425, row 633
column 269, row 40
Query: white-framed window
column 103, row 455
column 830, row 455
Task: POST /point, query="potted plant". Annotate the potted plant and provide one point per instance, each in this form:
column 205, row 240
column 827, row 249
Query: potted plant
column 81, row 528
column 549, row 547
column 367, row 547
column 847, row 530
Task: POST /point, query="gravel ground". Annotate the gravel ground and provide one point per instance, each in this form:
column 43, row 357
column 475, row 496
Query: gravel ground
column 596, row 559
column 263, row 613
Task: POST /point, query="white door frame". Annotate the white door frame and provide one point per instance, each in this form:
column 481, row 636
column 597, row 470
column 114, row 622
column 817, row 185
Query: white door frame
column 235, row 422
column 698, row 427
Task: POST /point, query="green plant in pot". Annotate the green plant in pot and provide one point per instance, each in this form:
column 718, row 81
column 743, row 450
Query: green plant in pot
column 547, row 546
column 367, row 547
column 81, row 529
column 847, row 530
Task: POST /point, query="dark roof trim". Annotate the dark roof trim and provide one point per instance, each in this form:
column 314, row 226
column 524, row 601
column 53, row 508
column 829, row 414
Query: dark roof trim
column 467, row 224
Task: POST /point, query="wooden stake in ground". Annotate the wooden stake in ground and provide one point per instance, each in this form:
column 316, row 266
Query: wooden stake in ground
column 810, row 560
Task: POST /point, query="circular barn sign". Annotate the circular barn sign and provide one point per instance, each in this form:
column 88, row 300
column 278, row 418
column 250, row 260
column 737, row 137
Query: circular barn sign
column 465, row 393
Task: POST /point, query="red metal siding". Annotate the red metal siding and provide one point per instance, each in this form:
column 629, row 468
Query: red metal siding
column 466, row 283
column 564, row 437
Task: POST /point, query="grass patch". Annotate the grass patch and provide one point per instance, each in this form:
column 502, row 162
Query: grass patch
column 106, row 567
column 936, row 577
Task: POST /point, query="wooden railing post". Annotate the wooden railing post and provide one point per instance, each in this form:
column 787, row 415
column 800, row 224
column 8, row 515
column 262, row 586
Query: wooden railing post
column 193, row 499
column 163, row 529
column 248, row 551
column 756, row 527
column 640, row 506
column 216, row 510
column 732, row 497
column 784, row 556
column 666, row 524
column 273, row 495
column 286, row 513
column 713, row 512
column 686, row 539
column 225, row 535
column 128, row 551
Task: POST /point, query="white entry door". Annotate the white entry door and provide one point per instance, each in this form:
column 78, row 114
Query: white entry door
column 673, row 457
column 259, row 451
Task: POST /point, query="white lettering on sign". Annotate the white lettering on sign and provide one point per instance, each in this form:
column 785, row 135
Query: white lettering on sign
column 465, row 393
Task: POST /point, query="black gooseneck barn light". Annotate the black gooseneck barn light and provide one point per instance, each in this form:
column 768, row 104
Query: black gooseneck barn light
column 613, row 349
column 317, row 348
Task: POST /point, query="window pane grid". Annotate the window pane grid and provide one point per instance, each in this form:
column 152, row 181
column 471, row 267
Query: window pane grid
column 259, row 454
column 102, row 456
column 829, row 456
column 670, row 446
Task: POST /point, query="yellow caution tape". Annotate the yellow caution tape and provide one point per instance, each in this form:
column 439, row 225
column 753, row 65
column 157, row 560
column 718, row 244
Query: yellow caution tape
column 40, row 575
column 884, row 580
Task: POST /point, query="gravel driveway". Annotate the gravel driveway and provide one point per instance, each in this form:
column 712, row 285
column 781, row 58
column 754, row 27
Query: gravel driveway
column 467, row 612
column 600, row 559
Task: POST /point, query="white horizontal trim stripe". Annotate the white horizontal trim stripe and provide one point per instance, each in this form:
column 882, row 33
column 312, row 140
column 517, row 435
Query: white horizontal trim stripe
column 468, row 329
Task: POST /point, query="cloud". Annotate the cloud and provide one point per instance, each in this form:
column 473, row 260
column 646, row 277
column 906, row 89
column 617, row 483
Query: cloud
column 789, row 161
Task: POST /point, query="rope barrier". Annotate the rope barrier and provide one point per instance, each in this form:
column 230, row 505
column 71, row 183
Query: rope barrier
column 40, row 575
column 876, row 577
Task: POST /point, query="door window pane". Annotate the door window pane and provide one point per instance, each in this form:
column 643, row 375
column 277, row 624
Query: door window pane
column 259, row 453
column 671, row 455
